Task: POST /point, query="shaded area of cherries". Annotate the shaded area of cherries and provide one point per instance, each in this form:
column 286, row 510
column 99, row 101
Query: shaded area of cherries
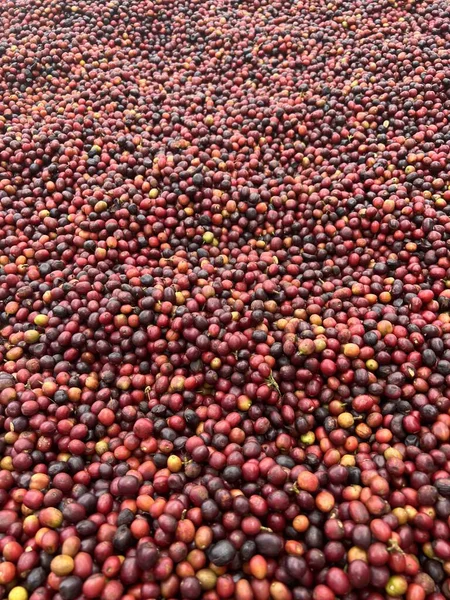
column 224, row 300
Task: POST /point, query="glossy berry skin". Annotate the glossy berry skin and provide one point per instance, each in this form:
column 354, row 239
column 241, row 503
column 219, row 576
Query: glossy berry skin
column 224, row 300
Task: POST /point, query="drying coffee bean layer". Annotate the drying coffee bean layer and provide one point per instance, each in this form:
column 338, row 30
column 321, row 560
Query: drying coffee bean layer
column 224, row 300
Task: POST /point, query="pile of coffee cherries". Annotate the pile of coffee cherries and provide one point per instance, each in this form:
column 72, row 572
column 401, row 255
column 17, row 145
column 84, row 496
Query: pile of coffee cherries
column 225, row 300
